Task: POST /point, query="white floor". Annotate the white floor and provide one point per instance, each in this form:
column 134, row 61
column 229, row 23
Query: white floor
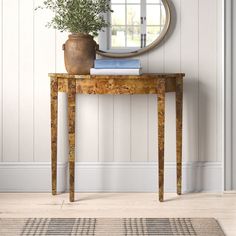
column 219, row 206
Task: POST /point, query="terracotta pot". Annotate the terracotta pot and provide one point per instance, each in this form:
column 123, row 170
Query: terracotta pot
column 79, row 54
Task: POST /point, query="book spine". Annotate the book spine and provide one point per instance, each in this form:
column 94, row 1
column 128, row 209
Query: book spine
column 115, row 71
column 117, row 64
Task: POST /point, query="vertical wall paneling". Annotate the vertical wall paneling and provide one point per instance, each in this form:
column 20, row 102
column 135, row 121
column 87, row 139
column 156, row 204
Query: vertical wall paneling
column 1, row 78
column 172, row 63
column 152, row 128
column 139, row 119
column 122, row 128
column 26, row 80
column 228, row 59
column 189, row 65
column 62, row 147
column 106, row 131
column 44, row 62
column 207, row 79
column 172, row 45
column 219, row 82
column 231, row 74
column 155, row 65
column 170, row 128
column 60, row 40
column 10, row 80
column 156, row 59
column 119, row 128
column 87, row 128
column 63, row 144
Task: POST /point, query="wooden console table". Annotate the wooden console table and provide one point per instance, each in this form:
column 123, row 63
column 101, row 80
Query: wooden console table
column 144, row 84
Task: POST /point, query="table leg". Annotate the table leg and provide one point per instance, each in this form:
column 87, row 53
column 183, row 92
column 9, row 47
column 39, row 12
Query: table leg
column 179, row 120
column 161, row 135
column 54, row 108
column 71, row 123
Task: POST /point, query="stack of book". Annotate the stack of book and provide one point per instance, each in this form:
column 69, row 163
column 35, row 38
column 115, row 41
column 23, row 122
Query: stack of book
column 116, row 67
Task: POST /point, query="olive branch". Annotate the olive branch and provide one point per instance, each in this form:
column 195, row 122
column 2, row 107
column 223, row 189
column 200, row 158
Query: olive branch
column 78, row 16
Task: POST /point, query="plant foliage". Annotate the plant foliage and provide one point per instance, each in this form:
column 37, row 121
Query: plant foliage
column 78, row 16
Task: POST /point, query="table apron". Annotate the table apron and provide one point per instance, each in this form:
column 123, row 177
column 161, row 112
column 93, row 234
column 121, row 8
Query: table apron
column 119, row 86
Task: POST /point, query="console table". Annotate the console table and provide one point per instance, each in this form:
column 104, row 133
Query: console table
column 144, row 84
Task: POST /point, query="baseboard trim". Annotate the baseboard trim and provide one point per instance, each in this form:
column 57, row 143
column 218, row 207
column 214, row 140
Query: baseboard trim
column 110, row 177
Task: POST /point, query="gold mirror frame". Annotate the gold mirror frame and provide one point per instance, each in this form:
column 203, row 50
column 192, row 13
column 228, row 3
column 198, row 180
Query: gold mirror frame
column 150, row 46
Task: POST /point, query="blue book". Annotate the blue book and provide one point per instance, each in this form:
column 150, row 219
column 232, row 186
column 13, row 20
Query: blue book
column 117, row 64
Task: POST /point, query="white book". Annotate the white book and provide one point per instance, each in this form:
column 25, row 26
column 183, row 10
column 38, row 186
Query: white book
column 94, row 71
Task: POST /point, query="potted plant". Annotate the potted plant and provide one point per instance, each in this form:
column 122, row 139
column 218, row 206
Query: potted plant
column 83, row 19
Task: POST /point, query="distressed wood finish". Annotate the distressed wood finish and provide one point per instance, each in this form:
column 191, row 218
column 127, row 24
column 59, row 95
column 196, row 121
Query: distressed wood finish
column 126, row 77
column 161, row 135
column 71, row 126
column 179, row 121
column 143, row 84
column 54, row 108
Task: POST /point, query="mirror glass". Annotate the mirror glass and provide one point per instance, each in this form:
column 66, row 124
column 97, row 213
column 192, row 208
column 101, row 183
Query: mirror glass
column 134, row 25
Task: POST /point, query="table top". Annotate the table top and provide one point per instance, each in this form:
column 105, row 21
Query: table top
column 117, row 84
column 143, row 76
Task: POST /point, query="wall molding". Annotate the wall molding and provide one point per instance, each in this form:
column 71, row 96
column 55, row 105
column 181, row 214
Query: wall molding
column 110, row 177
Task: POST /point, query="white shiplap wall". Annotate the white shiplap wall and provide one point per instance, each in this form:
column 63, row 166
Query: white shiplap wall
column 109, row 128
column 233, row 162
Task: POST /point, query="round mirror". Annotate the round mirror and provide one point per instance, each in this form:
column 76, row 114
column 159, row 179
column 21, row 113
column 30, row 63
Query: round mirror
column 136, row 26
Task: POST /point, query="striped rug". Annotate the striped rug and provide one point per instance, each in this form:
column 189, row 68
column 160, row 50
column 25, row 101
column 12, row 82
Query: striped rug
column 110, row 226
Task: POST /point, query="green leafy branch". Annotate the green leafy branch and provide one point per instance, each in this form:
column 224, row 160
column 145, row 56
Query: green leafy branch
column 78, row 16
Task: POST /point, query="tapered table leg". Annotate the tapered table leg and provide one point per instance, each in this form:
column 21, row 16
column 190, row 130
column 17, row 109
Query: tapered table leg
column 71, row 123
column 179, row 123
column 161, row 135
column 54, row 108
